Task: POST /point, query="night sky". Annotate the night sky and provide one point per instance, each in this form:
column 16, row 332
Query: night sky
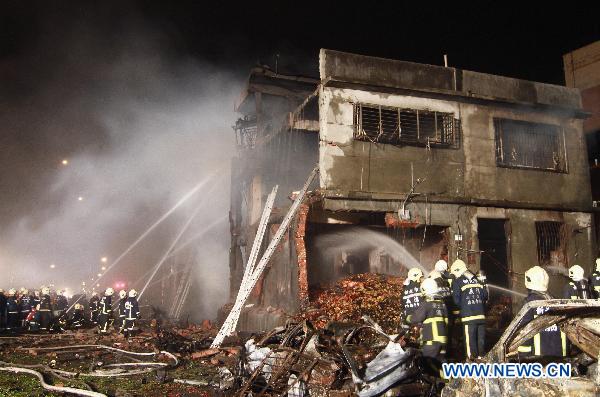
column 133, row 93
column 518, row 39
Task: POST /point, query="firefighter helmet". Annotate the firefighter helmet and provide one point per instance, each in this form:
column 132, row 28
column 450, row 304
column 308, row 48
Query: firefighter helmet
column 598, row 264
column 132, row 293
column 25, row 291
column 45, row 290
column 109, row 292
column 1, row 290
column 536, row 279
column 458, row 268
column 415, row 274
column 441, row 266
column 78, row 306
column 12, row 292
column 576, row 273
column 430, row 287
column 122, row 294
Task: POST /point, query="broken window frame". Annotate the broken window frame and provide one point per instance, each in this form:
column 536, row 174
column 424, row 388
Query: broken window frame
column 551, row 236
column 533, row 140
column 405, row 126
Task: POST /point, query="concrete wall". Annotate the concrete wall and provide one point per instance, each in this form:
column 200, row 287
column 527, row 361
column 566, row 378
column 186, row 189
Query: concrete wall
column 470, row 172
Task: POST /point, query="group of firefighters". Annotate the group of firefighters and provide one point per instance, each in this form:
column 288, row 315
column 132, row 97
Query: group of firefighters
column 45, row 311
column 451, row 302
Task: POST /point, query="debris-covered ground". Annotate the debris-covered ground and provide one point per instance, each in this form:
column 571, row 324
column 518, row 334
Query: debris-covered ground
column 375, row 295
column 337, row 348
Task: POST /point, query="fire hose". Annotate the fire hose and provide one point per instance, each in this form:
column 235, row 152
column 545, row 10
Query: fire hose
column 58, row 389
column 111, row 373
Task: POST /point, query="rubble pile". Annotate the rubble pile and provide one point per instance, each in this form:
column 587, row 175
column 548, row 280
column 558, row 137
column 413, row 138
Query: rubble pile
column 375, row 295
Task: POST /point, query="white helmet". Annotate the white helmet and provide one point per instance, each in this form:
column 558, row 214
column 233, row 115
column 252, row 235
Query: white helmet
column 441, row 266
column 132, row 293
column 109, row 292
column 122, row 294
column 430, row 287
column 458, row 268
column 45, row 290
column 78, row 306
column 12, row 292
column 576, row 273
column 1, row 290
column 415, row 274
column 598, row 264
column 536, row 279
column 25, row 291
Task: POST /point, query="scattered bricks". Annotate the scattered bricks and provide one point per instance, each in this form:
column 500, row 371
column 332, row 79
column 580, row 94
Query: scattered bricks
column 204, row 353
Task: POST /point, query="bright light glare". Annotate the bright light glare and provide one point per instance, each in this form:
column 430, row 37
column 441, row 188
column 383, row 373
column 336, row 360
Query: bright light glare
column 52, row 266
column 104, row 259
column 65, row 162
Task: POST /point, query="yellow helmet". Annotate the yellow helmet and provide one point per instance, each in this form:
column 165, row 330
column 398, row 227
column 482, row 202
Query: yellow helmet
column 536, row 279
column 598, row 264
column 430, row 287
column 458, row 268
column 415, row 274
column 441, row 266
column 576, row 273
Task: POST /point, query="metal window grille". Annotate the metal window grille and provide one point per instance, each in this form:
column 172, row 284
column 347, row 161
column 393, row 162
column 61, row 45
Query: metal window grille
column 522, row 144
column 551, row 243
column 245, row 132
column 405, row 126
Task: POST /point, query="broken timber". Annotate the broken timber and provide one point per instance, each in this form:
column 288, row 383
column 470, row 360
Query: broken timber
column 252, row 274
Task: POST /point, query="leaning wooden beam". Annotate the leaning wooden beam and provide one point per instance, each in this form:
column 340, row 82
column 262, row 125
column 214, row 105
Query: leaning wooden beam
column 260, row 267
column 231, row 322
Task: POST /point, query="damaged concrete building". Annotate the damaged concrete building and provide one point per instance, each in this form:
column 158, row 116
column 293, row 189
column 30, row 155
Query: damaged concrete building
column 437, row 161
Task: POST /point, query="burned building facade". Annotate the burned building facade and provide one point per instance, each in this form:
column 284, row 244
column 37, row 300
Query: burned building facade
column 416, row 163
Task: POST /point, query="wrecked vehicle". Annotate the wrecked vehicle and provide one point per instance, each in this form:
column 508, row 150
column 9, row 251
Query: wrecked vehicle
column 342, row 359
column 578, row 319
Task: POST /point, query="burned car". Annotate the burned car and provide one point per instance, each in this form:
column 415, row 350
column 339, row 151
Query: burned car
column 578, row 319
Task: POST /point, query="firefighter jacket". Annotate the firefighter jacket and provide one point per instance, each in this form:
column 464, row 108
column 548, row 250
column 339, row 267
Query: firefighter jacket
column 45, row 303
column 26, row 303
column 93, row 303
column 105, row 305
column 434, row 316
column 132, row 308
column 122, row 311
column 577, row 290
column 12, row 306
column 470, row 296
column 61, row 303
column 595, row 284
column 548, row 342
column 411, row 298
column 3, row 300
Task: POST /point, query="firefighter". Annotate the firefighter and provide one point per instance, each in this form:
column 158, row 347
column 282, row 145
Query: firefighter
column 595, row 281
column 550, row 341
column 62, row 303
column 45, row 310
column 411, row 294
column 105, row 311
column 12, row 311
column 444, row 280
column 93, row 308
column 120, row 322
column 470, row 297
column 77, row 319
column 577, row 287
column 433, row 316
column 26, row 306
column 3, row 301
column 132, row 313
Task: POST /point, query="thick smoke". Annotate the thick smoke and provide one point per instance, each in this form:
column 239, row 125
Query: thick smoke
column 139, row 126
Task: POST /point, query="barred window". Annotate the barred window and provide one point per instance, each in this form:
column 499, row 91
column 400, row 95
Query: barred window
column 405, row 126
column 522, row 144
column 552, row 240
